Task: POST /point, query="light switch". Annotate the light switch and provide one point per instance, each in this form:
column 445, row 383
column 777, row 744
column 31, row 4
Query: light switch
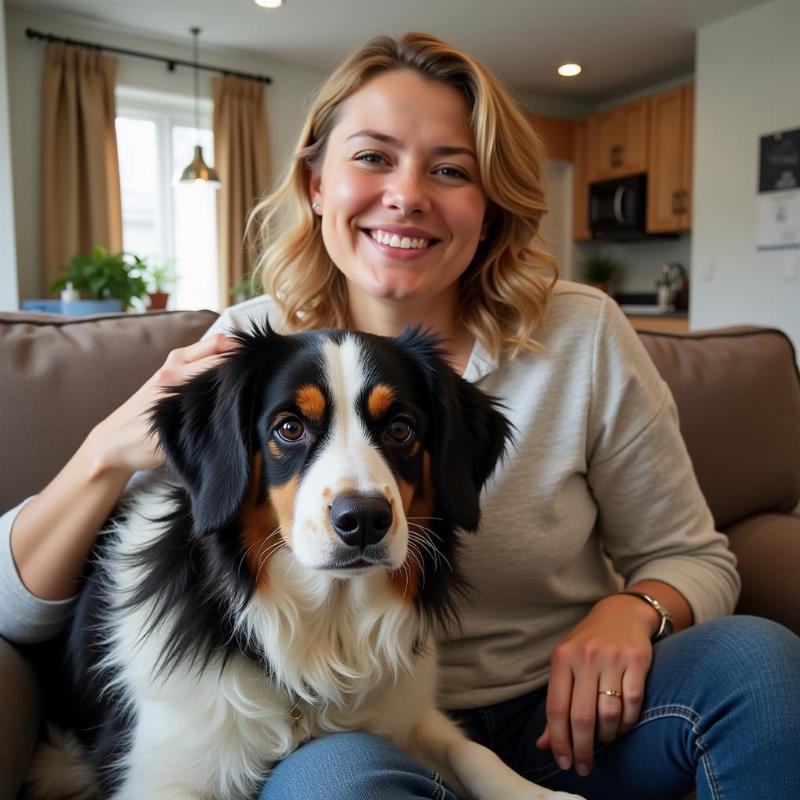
column 708, row 270
column 791, row 268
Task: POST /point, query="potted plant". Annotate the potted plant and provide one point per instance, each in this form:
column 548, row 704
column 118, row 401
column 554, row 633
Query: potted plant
column 244, row 289
column 106, row 281
column 161, row 280
column 598, row 270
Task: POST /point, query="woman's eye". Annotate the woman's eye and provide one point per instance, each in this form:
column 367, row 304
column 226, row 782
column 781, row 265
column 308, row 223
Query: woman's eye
column 400, row 431
column 290, row 430
column 370, row 158
column 453, row 172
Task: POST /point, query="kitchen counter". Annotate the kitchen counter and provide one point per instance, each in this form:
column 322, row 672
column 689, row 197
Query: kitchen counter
column 669, row 322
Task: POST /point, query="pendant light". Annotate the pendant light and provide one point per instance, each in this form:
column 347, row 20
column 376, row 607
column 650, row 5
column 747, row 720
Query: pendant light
column 198, row 171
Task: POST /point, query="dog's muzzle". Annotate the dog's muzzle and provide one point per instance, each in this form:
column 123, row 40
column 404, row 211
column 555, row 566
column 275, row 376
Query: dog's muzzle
column 361, row 520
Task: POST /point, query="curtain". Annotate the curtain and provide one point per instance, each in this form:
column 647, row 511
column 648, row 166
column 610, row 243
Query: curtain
column 241, row 158
column 81, row 204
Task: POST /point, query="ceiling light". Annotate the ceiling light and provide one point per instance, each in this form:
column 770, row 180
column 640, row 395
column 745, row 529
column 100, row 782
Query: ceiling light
column 269, row 3
column 570, row 70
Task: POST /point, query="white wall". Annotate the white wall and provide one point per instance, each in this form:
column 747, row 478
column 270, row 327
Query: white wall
column 287, row 99
column 8, row 249
column 746, row 83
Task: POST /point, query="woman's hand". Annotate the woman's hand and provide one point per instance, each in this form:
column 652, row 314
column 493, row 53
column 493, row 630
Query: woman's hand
column 123, row 440
column 609, row 649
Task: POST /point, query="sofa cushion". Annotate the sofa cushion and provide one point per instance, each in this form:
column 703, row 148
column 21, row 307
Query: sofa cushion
column 738, row 396
column 59, row 376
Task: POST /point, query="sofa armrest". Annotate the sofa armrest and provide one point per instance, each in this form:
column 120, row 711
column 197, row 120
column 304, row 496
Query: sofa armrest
column 20, row 704
column 767, row 548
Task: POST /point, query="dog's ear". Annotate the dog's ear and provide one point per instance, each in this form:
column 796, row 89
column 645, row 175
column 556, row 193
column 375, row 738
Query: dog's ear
column 468, row 435
column 206, row 426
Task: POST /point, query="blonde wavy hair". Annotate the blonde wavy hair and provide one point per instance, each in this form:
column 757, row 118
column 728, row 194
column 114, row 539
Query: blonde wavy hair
column 503, row 294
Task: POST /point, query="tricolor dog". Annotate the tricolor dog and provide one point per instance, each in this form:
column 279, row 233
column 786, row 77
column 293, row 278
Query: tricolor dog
column 281, row 579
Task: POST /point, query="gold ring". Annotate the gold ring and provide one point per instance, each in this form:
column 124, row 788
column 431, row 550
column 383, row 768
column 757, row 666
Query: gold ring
column 610, row 692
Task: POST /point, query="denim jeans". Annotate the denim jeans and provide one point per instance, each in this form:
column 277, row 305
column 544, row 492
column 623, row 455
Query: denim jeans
column 721, row 713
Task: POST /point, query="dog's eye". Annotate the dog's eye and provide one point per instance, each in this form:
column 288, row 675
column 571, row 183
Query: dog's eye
column 400, row 431
column 290, row 430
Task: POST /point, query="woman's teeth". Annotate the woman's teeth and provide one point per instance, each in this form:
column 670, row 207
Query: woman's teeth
column 403, row 242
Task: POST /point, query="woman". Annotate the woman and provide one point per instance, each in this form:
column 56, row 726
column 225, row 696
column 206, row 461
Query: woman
column 415, row 197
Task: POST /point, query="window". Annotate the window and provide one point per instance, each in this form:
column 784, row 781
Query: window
column 163, row 220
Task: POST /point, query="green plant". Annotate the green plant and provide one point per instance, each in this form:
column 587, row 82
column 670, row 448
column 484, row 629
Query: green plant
column 102, row 275
column 245, row 288
column 161, row 277
column 599, row 269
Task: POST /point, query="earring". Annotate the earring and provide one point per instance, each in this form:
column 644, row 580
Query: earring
column 315, row 207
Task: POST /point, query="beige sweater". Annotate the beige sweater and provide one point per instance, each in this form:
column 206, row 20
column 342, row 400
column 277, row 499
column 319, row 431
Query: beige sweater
column 598, row 469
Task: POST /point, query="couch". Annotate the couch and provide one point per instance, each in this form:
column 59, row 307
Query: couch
column 737, row 391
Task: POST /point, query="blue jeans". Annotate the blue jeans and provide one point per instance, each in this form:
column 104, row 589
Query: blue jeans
column 721, row 713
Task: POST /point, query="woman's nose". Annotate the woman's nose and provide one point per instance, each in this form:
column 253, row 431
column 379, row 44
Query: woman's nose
column 406, row 192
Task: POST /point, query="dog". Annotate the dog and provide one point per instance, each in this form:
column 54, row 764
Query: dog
column 281, row 577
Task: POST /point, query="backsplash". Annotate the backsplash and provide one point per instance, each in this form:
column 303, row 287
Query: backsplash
column 641, row 260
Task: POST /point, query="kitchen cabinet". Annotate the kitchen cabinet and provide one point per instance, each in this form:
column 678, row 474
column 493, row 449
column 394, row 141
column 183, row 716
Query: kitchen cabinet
column 580, row 183
column 557, row 135
column 618, row 140
column 669, row 170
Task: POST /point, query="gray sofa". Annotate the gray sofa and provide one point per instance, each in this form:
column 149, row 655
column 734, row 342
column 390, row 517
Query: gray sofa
column 737, row 390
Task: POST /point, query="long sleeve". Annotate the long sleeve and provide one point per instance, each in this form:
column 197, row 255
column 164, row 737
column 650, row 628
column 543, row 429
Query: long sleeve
column 653, row 520
column 24, row 617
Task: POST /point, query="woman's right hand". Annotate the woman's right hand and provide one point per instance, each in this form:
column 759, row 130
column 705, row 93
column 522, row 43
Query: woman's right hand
column 123, row 441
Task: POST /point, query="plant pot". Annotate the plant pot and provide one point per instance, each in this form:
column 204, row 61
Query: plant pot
column 158, row 301
column 82, row 308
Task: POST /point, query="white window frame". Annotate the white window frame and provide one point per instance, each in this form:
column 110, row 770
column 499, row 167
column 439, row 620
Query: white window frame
column 166, row 111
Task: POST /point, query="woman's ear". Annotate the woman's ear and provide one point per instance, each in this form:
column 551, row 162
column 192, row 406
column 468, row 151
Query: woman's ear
column 314, row 188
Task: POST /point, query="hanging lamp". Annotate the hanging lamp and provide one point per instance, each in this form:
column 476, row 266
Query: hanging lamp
column 198, row 171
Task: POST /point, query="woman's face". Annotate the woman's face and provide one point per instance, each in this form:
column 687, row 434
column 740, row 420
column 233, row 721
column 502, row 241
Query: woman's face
column 401, row 202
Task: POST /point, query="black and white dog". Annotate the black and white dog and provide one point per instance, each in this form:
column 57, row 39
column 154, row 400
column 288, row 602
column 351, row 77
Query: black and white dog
column 280, row 580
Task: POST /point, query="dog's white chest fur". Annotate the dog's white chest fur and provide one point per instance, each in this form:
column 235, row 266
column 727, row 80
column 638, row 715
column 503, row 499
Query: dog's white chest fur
column 342, row 657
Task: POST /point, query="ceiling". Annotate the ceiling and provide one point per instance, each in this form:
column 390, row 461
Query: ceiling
column 623, row 45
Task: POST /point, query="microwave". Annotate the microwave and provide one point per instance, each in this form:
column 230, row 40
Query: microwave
column 618, row 208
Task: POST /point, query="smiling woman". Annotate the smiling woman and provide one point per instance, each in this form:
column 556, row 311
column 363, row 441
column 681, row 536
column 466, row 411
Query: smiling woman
column 412, row 140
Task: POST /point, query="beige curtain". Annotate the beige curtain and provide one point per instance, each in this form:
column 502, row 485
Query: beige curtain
column 81, row 204
column 241, row 158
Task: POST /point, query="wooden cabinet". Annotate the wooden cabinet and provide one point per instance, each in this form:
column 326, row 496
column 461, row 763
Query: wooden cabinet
column 653, row 135
column 580, row 183
column 618, row 140
column 669, row 171
column 556, row 134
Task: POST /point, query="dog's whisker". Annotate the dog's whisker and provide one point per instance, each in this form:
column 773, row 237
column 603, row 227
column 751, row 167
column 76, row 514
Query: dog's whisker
column 435, row 552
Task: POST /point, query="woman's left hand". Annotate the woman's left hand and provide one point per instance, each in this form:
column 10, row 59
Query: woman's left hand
column 609, row 649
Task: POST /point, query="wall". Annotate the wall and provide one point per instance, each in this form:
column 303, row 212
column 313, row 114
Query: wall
column 287, row 99
column 8, row 250
column 747, row 68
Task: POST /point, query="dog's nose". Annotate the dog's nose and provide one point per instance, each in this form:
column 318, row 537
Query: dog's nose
column 361, row 519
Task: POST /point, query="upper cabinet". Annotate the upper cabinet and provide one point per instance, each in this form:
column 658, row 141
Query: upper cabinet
column 618, row 141
column 580, row 183
column 652, row 135
column 670, row 162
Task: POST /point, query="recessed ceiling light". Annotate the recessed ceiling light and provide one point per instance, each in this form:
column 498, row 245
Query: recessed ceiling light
column 570, row 70
column 269, row 3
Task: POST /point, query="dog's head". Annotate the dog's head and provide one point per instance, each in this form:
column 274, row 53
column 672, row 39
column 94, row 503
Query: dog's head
column 354, row 451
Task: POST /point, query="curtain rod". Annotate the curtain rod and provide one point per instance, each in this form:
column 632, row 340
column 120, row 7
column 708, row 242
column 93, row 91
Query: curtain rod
column 170, row 62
